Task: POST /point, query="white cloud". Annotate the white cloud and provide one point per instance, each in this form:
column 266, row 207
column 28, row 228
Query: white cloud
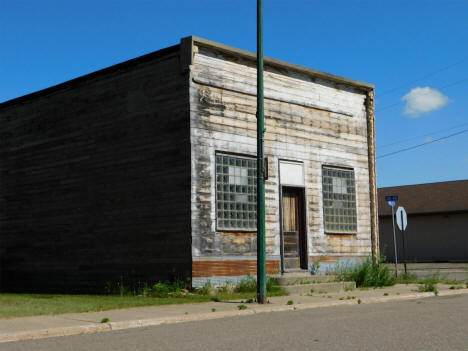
column 423, row 100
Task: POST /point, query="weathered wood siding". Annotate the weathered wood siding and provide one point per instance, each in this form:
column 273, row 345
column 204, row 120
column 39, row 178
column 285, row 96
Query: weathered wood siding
column 95, row 180
column 309, row 120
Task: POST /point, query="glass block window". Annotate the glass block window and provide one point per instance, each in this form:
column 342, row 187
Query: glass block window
column 339, row 200
column 236, row 193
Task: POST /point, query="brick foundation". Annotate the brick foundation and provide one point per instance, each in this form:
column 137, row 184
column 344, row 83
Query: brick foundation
column 231, row 268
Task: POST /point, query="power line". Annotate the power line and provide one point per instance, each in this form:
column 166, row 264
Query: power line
column 429, row 142
column 445, row 86
column 422, row 135
column 423, row 77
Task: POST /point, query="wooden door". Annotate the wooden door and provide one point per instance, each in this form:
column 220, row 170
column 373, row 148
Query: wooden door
column 294, row 240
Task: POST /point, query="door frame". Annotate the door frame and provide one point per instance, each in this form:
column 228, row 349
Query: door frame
column 303, row 242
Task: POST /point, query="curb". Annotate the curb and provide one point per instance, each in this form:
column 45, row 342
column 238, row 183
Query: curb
column 98, row 327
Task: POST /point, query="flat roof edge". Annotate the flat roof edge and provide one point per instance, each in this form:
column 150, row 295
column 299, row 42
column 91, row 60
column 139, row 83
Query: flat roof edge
column 421, row 213
column 280, row 63
column 422, row 184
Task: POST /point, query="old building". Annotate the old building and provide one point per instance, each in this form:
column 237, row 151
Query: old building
column 145, row 171
column 437, row 228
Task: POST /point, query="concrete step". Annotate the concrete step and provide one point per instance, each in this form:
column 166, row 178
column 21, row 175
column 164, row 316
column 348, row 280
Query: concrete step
column 448, row 275
column 449, row 271
column 304, row 278
column 318, row 288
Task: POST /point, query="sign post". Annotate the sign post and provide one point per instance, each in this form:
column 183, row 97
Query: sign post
column 391, row 200
column 402, row 222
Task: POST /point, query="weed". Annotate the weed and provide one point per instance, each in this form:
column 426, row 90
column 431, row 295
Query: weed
column 105, row 320
column 429, row 285
column 117, row 288
column 242, row 307
column 359, row 301
column 341, row 298
column 158, row 290
column 385, row 294
column 366, row 274
column 398, row 293
column 166, row 289
column 369, row 274
column 407, row 278
column 312, row 291
column 215, row 299
column 250, row 300
column 349, row 288
column 316, row 266
column 213, row 310
column 322, row 292
column 249, row 284
column 226, row 289
column 206, row 288
column 329, row 296
column 316, row 340
column 185, row 313
column 290, row 302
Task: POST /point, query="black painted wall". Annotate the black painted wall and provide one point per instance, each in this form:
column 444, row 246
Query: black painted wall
column 428, row 238
column 95, row 180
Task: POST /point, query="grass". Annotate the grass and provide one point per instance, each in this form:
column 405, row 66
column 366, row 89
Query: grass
column 20, row 305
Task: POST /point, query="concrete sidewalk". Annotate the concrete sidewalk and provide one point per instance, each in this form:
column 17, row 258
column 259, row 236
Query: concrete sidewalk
column 25, row 328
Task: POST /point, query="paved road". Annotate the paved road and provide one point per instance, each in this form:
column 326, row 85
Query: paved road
column 438, row 323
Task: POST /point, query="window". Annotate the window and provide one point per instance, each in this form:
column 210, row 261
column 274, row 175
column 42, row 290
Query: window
column 339, row 200
column 236, row 193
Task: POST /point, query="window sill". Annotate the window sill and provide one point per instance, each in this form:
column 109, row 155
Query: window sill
column 342, row 233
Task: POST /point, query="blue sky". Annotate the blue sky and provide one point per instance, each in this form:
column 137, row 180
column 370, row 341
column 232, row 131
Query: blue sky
column 417, row 49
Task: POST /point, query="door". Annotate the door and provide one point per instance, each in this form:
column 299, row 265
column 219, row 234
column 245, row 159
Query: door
column 293, row 229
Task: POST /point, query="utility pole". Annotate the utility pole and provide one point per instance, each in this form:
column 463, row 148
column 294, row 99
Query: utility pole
column 261, row 262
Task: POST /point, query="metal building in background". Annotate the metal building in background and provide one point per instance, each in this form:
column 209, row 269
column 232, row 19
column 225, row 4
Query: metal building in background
column 437, row 222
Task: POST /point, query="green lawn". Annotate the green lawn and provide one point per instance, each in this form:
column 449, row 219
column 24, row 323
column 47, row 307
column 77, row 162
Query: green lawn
column 19, row 305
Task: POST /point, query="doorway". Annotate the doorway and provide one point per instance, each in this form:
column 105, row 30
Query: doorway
column 294, row 240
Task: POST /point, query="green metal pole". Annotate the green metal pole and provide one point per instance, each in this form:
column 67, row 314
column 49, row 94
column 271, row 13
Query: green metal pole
column 261, row 262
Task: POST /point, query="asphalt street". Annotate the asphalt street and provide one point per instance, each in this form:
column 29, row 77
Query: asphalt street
column 436, row 323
